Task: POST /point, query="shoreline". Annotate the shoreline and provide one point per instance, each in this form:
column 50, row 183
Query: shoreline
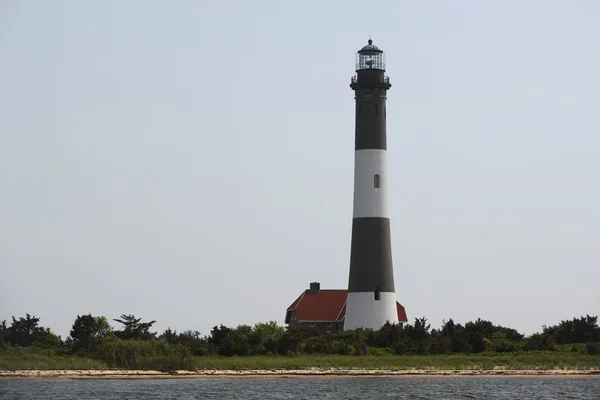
column 307, row 373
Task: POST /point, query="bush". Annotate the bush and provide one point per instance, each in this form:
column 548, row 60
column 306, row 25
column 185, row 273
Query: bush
column 380, row 351
column 538, row 341
column 593, row 348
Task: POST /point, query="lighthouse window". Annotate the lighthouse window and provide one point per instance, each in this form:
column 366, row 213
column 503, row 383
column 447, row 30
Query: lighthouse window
column 377, row 295
column 376, row 181
column 376, row 109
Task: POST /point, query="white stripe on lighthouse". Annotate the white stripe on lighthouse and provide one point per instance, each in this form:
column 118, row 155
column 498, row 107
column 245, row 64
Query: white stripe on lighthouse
column 363, row 311
column 370, row 201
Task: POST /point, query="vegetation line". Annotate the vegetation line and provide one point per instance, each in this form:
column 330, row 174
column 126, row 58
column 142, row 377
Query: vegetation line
column 93, row 344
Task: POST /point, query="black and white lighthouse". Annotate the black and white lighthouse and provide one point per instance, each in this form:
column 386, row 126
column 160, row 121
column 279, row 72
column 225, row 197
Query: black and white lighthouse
column 371, row 291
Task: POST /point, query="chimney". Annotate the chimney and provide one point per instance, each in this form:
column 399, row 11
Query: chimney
column 315, row 287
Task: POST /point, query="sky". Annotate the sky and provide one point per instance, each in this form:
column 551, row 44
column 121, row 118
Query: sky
column 191, row 162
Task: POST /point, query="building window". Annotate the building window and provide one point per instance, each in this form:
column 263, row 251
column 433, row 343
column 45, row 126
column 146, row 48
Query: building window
column 376, row 181
column 376, row 110
column 377, row 294
column 311, row 324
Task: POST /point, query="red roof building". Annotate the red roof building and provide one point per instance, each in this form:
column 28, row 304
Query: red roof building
column 324, row 308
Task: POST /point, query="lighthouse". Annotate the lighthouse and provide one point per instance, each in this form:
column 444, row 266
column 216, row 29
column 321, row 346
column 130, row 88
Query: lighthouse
column 371, row 299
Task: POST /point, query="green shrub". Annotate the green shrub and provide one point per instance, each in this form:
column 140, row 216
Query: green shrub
column 593, row 348
column 380, row 351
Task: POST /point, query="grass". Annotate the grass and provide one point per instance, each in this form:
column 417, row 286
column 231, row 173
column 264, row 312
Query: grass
column 487, row 361
column 518, row 361
column 40, row 361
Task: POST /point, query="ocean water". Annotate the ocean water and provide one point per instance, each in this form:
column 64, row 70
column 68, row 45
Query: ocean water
column 304, row 388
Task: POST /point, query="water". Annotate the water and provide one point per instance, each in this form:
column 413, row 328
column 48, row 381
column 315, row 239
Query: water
column 423, row 388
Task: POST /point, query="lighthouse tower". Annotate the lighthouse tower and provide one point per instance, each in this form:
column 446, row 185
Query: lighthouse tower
column 371, row 292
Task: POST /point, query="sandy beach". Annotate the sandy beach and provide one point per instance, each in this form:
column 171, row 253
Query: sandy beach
column 149, row 374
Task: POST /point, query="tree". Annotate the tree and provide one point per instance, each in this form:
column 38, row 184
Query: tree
column 420, row 330
column 133, row 328
column 169, row 336
column 23, row 331
column 88, row 330
column 199, row 346
column 46, row 339
column 390, row 336
column 294, row 336
column 577, row 330
column 417, row 336
column 538, row 341
column 267, row 336
column 217, row 334
column 4, row 334
column 498, row 342
column 438, row 343
column 456, row 334
column 476, row 332
column 510, row 333
column 237, row 342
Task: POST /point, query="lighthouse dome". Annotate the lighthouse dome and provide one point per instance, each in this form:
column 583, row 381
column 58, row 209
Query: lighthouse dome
column 370, row 48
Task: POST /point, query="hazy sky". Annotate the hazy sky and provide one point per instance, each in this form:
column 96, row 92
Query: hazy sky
column 192, row 161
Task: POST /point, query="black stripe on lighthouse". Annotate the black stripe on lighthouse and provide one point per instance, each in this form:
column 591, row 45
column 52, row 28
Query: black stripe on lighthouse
column 371, row 256
column 370, row 126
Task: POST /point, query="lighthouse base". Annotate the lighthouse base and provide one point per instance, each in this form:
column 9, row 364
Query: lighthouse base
column 363, row 311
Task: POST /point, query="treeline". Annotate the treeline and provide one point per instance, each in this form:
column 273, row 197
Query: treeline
column 134, row 345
